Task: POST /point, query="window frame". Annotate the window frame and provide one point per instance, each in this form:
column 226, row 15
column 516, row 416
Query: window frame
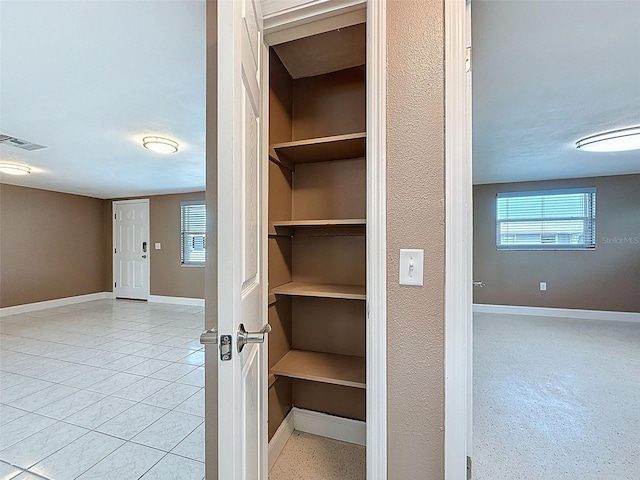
column 183, row 232
column 551, row 246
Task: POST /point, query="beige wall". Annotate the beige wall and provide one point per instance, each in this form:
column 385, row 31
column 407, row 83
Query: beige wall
column 51, row 245
column 607, row 278
column 415, row 219
column 168, row 277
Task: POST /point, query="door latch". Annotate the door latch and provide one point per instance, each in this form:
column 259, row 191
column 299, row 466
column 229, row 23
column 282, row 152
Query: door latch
column 225, row 348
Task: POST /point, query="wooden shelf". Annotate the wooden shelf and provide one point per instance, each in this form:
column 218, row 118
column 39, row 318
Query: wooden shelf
column 322, row 290
column 348, row 222
column 322, row 367
column 325, row 149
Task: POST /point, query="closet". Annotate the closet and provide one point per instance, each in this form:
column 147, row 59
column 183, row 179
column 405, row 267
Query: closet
column 316, row 240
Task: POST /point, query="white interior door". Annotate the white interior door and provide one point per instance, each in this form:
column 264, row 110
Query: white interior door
column 131, row 249
column 242, row 377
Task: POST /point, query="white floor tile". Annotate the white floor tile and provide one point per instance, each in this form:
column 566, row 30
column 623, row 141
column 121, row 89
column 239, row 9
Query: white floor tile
column 132, row 421
column 42, row 444
column 128, row 462
column 23, row 389
column 141, row 389
column 196, row 358
column 171, row 396
column 77, row 457
column 7, row 471
column 88, row 378
column 23, row 427
column 71, row 404
column 193, row 446
column 49, row 395
column 173, row 372
column 8, row 414
column 114, row 383
column 148, row 367
column 100, row 412
column 169, row 431
column 194, row 405
column 174, row 467
column 195, row 378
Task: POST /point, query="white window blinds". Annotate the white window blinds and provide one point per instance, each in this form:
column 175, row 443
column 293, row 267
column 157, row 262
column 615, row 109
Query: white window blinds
column 546, row 219
column 193, row 233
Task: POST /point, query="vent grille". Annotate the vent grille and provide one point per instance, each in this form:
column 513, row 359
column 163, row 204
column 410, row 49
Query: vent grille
column 19, row 143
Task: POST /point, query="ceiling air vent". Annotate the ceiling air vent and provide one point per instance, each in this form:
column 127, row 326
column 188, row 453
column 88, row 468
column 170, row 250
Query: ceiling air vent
column 17, row 142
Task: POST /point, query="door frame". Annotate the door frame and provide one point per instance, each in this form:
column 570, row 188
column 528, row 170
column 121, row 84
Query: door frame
column 113, row 242
column 296, row 23
column 458, row 321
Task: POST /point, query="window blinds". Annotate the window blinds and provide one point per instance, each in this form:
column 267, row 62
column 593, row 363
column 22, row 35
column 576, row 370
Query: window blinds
column 546, row 219
column 193, row 232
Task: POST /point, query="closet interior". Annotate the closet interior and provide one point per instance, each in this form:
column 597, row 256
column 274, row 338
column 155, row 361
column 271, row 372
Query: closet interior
column 317, row 223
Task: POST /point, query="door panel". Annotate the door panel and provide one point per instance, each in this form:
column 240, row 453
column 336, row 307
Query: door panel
column 131, row 256
column 242, row 380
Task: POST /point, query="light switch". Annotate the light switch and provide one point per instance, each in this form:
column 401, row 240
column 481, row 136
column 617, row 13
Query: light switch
column 411, row 267
column 543, row 286
column 158, row 246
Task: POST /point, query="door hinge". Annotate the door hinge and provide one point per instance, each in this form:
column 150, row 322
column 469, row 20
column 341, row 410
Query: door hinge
column 469, row 468
column 115, row 284
column 115, row 250
column 225, row 348
column 115, row 216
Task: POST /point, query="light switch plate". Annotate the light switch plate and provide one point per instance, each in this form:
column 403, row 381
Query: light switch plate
column 411, row 267
column 543, row 286
column 158, row 246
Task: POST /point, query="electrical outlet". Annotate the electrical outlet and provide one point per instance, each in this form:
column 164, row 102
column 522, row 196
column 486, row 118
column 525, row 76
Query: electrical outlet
column 543, row 286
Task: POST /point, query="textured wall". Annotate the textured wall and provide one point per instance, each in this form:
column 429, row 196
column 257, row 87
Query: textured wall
column 51, row 245
column 607, row 278
column 168, row 277
column 415, row 219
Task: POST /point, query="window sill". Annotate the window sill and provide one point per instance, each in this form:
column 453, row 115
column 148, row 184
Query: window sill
column 191, row 265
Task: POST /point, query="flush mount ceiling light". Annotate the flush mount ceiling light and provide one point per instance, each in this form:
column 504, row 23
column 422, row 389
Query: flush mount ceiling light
column 613, row 141
column 14, row 169
column 160, row 144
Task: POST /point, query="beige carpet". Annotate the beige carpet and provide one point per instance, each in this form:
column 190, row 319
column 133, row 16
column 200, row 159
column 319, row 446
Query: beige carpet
column 309, row 457
column 556, row 399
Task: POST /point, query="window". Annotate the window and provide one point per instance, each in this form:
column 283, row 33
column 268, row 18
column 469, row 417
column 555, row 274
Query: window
column 193, row 233
column 546, row 220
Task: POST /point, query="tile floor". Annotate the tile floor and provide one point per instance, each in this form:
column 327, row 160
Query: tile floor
column 110, row 389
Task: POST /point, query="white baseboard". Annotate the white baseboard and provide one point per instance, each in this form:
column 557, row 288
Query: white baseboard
column 194, row 302
column 58, row 302
column 280, row 438
column 558, row 312
column 316, row 423
column 330, row 426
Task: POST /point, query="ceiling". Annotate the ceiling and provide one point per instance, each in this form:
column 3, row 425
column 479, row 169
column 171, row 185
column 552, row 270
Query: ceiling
column 545, row 74
column 90, row 79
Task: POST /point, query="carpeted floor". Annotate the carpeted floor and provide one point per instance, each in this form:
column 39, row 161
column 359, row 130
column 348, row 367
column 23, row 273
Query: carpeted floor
column 556, row 399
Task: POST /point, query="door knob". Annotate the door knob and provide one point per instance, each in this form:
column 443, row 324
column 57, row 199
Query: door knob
column 245, row 337
column 478, row 284
column 209, row 336
column 144, row 256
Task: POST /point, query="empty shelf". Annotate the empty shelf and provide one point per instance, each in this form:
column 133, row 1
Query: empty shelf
column 323, row 290
column 347, row 222
column 322, row 367
column 339, row 147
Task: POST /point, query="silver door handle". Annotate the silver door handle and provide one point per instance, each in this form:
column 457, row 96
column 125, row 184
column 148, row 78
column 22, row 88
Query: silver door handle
column 209, row 336
column 478, row 284
column 144, row 256
column 245, row 337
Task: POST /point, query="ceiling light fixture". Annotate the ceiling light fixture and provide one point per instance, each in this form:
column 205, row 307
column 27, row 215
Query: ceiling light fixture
column 613, row 141
column 14, row 169
column 160, row 144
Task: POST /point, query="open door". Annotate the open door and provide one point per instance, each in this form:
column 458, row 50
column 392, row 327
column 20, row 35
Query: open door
column 242, row 304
